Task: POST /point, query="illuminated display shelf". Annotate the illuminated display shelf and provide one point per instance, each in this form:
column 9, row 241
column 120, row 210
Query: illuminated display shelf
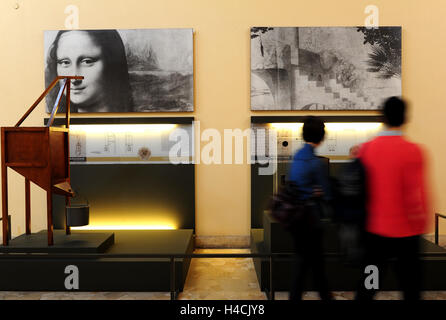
column 153, row 194
column 130, row 140
column 342, row 132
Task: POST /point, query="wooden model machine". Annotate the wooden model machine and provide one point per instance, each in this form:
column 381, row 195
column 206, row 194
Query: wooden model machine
column 41, row 155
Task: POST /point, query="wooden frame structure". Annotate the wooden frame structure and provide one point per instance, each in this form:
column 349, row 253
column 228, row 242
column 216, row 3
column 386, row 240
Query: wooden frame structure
column 41, row 155
column 437, row 218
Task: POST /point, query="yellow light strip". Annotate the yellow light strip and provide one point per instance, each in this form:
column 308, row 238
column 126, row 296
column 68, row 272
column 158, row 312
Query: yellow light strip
column 286, row 125
column 122, row 128
column 332, row 126
column 363, row 126
column 134, row 159
column 126, row 227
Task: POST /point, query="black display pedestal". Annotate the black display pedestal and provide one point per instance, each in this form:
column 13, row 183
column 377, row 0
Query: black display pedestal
column 278, row 240
column 92, row 242
column 42, row 272
column 342, row 276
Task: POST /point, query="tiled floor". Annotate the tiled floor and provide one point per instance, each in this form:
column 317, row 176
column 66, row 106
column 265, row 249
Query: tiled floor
column 209, row 279
column 222, row 279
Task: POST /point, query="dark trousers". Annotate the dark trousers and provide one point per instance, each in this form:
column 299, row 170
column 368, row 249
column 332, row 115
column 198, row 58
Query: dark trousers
column 309, row 253
column 408, row 265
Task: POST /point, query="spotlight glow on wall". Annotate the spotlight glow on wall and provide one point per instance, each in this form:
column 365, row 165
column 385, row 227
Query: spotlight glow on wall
column 133, row 219
column 126, row 227
column 294, row 126
column 332, row 126
column 123, row 128
column 361, row 126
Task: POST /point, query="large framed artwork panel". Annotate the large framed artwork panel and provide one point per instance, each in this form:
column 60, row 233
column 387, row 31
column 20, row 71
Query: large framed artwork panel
column 126, row 70
column 324, row 68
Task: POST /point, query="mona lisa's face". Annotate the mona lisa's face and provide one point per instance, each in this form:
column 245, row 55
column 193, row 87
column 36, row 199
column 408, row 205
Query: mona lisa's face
column 77, row 54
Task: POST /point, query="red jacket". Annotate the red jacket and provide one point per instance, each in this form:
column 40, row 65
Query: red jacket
column 397, row 196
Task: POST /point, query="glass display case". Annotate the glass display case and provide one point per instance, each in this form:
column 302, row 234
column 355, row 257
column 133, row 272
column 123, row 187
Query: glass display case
column 136, row 173
column 276, row 139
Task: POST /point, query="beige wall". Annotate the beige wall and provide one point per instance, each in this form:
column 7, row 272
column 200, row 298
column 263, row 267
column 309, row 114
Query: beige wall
column 222, row 77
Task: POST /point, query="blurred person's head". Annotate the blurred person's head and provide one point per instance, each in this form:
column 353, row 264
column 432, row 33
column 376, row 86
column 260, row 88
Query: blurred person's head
column 394, row 112
column 354, row 151
column 313, row 130
column 99, row 56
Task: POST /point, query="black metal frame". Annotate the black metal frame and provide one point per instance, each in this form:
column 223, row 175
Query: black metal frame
column 122, row 120
column 173, row 290
column 437, row 217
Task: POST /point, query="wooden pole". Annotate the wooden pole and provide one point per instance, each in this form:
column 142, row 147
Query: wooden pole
column 27, row 206
column 49, row 210
column 436, row 228
column 51, row 86
column 67, row 153
column 56, row 104
column 67, row 112
column 67, row 204
column 49, row 193
column 4, row 192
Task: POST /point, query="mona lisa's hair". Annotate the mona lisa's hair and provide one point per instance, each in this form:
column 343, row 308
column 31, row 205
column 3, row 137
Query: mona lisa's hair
column 116, row 77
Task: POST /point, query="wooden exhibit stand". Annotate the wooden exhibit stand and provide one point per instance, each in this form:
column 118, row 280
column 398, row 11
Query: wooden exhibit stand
column 41, row 155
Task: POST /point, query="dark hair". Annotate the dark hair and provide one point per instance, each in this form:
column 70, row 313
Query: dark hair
column 313, row 129
column 394, row 112
column 116, row 77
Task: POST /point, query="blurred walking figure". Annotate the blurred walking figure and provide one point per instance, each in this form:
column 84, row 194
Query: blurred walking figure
column 397, row 205
column 310, row 174
column 350, row 208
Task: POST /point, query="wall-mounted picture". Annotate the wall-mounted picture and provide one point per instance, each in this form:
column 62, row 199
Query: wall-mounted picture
column 324, row 68
column 135, row 70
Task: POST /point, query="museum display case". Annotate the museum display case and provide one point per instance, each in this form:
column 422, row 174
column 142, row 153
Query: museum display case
column 137, row 177
column 274, row 141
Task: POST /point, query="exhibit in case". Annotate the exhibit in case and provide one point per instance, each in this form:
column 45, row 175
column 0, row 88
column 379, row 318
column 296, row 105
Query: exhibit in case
column 324, row 68
column 139, row 178
column 131, row 143
column 274, row 141
column 137, row 173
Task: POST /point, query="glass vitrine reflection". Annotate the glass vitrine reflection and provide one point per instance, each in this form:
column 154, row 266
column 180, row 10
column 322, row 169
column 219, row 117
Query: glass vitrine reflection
column 277, row 142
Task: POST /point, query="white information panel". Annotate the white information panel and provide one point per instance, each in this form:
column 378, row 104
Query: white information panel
column 339, row 138
column 131, row 143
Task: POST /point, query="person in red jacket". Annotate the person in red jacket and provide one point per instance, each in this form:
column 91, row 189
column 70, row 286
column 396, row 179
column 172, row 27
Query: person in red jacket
column 397, row 203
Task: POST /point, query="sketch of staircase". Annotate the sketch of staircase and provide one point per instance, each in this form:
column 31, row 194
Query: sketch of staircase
column 327, row 94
